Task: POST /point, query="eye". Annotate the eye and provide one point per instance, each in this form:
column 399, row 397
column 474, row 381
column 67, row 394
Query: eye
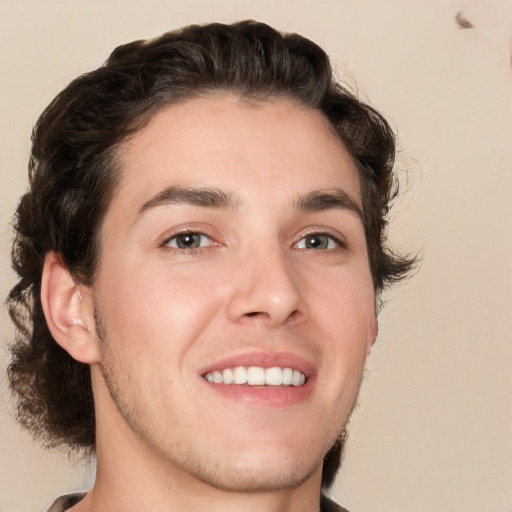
column 188, row 240
column 318, row 241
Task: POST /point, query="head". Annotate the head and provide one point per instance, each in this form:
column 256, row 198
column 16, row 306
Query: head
column 76, row 169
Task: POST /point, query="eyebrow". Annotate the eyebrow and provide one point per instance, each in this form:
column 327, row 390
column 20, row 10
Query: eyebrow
column 335, row 198
column 210, row 197
column 200, row 196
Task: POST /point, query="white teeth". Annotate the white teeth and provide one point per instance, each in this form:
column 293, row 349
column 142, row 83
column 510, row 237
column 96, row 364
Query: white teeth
column 227, row 376
column 240, row 375
column 298, row 378
column 257, row 376
column 273, row 377
column 287, row 376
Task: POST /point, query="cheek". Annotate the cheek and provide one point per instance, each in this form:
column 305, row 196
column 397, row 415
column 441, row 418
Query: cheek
column 154, row 303
column 345, row 303
column 345, row 313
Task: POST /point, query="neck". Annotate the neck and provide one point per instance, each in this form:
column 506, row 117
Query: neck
column 125, row 483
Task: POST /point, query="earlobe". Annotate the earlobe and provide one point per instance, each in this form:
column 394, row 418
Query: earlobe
column 373, row 332
column 68, row 314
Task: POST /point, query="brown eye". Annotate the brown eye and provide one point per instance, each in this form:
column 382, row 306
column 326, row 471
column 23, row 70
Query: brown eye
column 188, row 241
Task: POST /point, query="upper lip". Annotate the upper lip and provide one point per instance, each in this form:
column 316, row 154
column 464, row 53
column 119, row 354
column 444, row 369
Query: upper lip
column 264, row 359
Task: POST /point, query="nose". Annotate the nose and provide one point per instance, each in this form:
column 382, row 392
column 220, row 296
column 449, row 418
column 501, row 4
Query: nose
column 266, row 290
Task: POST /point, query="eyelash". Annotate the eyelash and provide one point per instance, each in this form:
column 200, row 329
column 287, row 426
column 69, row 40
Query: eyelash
column 175, row 237
column 338, row 244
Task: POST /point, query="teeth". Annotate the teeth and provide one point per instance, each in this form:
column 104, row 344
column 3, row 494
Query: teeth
column 274, row 376
column 257, row 376
column 298, row 378
column 240, row 374
column 227, row 376
column 287, row 376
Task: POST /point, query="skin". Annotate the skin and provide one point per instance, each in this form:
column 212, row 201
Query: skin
column 159, row 315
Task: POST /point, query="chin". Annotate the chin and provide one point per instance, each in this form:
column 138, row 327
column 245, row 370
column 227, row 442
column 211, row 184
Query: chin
column 266, row 470
column 250, row 479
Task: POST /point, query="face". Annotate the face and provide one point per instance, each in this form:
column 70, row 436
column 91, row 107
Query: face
column 234, row 301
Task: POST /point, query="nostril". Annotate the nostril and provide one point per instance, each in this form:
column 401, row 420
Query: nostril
column 260, row 315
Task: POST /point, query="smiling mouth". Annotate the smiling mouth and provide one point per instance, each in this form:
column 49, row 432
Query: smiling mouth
column 257, row 376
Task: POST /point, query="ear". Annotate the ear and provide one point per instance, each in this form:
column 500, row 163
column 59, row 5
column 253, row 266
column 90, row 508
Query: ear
column 373, row 331
column 69, row 311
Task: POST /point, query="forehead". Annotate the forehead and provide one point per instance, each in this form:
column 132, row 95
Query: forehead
column 280, row 149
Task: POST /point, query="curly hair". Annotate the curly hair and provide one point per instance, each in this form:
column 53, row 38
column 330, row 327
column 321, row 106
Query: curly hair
column 73, row 175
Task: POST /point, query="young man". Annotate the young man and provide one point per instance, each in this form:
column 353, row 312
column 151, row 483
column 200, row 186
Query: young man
column 200, row 255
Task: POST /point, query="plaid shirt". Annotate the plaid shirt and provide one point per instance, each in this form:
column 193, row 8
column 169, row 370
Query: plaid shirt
column 67, row 501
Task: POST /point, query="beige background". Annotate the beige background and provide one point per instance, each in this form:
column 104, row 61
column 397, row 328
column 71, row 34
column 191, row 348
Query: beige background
column 434, row 429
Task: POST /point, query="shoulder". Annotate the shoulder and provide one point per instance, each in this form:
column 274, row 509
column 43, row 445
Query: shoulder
column 64, row 502
column 328, row 505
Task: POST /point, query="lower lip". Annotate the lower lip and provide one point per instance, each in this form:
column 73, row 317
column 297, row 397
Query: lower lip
column 264, row 396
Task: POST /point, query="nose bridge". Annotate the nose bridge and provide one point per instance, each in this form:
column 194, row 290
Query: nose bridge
column 266, row 288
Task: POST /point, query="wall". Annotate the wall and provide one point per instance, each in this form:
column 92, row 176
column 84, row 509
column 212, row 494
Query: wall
column 434, row 428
